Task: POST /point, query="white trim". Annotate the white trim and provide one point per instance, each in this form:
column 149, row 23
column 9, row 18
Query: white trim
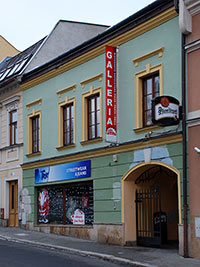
column 11, row 100
column 10, row 168
column 193, row 115
column 185, row 18
column 11, row 106
column 192, row 47
column 193, row 6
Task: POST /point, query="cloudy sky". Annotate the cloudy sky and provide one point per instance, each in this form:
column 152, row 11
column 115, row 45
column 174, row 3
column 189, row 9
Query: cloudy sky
column 24, row 22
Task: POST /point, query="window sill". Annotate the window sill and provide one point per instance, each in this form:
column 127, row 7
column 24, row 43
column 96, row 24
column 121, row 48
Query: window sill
column 66, row 147
column 147, row 129
column 33, row 154
column 88, row 142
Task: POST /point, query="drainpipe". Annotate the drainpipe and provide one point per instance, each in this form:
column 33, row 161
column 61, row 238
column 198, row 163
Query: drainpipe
column 184, row 27
column 185, row 204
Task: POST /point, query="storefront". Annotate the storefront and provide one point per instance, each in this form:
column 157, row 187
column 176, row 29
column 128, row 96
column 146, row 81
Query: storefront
column 65, row 203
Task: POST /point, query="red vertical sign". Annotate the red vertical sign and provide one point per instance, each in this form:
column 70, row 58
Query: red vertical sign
column 111, row 95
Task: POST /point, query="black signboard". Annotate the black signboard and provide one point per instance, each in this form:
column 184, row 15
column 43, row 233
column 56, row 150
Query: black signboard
column 165, row 111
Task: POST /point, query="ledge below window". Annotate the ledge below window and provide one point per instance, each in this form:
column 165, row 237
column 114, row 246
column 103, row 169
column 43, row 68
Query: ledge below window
column 88, row 142
column 146, row 129
column 65, row 147
column 33, row 154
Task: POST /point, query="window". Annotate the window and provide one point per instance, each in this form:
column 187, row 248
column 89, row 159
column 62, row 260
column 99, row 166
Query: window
column 151, row 89
column 68, row 124
column 148, row 84
column 93, row 117
column 13, row 127
column 70, row 203
column 35, row 134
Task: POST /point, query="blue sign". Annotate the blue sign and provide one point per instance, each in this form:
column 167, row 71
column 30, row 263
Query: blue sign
column 68, row 171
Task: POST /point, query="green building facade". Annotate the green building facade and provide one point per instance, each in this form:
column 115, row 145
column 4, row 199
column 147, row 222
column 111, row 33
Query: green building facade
column 126, row 192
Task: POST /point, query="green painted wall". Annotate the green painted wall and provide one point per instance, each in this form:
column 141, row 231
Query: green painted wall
column 166, row 35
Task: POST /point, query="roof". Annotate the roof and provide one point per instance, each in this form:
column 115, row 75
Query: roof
column 11, row 67
column 124, row 26
column 64, row 36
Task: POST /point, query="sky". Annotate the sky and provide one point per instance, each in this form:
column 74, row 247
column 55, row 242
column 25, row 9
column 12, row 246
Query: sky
column 24, row 22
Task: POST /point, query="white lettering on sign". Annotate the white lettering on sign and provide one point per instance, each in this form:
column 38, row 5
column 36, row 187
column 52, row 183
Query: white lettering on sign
column 111, row 95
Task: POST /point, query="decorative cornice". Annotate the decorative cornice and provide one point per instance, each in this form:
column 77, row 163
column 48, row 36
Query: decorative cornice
column 62, row 91
column 193, row 6
column 158, row 52
column 89, row 80
column 38, row 101
column 117, row 41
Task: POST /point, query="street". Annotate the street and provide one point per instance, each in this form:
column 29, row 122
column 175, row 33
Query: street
column 13, row 254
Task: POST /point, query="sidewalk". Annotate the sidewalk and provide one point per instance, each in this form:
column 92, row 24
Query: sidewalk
column 134, row 256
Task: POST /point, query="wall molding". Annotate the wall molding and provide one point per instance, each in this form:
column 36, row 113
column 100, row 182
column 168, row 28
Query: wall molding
column 158, row 52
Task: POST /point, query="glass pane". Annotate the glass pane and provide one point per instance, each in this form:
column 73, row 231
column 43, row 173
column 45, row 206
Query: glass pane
column 148, row 118
column 12, row 134
column 50, row 205
column 68, row 124
column 68, row 112
column 98, row 130
column 14, row 116
column 149, row 86
column 98, row 103
column 92, row 104
column 72, row 111
column 79, row 197
column 92, row 118
column 72, row 137
column 148, row 104
column 157, row 86
column 98, row 116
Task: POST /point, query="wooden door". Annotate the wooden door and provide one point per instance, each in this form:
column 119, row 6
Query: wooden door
column 13, row 204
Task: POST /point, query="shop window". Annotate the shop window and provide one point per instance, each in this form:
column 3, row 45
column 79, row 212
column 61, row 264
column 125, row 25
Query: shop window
column 66, row 123
column 148, row 84
column 66, row 204
column 92, row 116
column 13, row 127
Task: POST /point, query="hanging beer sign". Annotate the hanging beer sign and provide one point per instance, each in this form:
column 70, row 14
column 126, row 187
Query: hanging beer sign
column 111, row 95
column 165, row 111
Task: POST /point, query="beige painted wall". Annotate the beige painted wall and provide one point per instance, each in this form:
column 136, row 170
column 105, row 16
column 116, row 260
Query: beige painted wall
column 10, row 156
column 6, row 49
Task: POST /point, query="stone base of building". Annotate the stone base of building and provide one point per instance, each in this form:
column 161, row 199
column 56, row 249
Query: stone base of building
column 195, row 236
column 99, row 232
column 4, row 222
column 181, row 240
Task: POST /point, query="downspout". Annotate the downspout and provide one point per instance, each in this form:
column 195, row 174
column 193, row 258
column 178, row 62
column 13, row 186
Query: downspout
column 185, row 204
column 184, row 133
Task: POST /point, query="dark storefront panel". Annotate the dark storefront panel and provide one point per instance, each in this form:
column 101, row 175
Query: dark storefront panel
column 70, row 203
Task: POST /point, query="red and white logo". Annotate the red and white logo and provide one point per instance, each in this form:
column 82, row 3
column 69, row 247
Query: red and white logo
column 78, row 217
